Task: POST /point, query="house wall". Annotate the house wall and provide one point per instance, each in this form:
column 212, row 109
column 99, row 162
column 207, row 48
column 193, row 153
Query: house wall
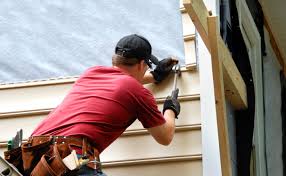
column 135, row 152
column 232, row 136
column 273, row 118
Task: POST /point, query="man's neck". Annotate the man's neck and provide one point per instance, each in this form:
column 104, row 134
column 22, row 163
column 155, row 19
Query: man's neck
column 129, row 71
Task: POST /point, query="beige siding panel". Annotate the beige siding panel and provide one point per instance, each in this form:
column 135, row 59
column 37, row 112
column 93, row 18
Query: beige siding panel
column 131, row 147
column 190, row 115
column 188, row 83
column 185, row 168
column 9, row 126
column 188, row 26
column 2, row 149
column 30, row 98
column 190, row 52
column 49, row 96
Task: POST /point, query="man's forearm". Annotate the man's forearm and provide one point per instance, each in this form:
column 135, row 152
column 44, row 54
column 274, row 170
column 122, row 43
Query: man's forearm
column 169, row 116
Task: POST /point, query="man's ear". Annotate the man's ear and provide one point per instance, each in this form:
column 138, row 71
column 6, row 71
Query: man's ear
column 142, row 64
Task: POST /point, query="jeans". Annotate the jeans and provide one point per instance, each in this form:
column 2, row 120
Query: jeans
column 87, row 171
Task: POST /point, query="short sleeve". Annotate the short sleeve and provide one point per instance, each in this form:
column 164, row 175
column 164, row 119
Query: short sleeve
column 148, row 113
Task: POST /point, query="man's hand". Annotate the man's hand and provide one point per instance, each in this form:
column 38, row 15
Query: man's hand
column 163, row 69
column 172, row 103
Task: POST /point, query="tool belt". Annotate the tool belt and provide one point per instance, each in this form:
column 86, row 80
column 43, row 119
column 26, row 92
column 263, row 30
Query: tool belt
column 42, row 155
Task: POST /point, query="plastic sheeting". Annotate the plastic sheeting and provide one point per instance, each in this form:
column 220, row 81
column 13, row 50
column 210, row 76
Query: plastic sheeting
column 58, row 38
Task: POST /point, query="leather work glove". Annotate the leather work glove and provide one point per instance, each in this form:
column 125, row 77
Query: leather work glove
column 172, row 103
column 163, row 69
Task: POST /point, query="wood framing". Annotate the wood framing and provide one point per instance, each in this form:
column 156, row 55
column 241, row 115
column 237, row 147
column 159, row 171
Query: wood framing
column 235, row 88
column 216, row 58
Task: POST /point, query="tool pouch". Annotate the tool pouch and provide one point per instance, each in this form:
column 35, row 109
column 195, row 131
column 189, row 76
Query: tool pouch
column 51, row 164
column 32, row 153
column 14, row 157
column 43, row 167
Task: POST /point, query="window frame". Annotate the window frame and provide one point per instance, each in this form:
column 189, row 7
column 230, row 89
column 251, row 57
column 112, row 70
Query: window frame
column 252, row 41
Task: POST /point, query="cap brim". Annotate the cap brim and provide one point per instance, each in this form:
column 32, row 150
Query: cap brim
column 154, row 60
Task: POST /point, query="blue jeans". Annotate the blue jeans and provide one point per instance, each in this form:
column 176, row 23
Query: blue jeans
column 87, row 171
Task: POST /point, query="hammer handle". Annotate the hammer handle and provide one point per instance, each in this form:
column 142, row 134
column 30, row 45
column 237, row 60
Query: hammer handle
column 175, row 93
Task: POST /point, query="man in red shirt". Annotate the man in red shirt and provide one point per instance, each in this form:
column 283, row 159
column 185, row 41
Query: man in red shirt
column 104, row 101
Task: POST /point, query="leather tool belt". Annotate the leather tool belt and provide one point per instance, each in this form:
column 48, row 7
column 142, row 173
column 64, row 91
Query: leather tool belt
column 42, row 155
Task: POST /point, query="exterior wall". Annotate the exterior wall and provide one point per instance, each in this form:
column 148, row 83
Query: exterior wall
column 135, row 151
column 232, row 136
column 273, row 118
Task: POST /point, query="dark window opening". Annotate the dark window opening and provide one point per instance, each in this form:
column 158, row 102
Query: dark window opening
column 244, row 119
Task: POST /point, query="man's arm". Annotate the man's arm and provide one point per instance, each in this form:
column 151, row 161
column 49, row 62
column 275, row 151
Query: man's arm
column 164, row 134
column 162, row 70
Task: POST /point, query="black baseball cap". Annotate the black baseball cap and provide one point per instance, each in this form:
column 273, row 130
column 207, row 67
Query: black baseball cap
column 136, row 46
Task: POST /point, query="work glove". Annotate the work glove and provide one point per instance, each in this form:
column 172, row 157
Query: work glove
column 172, row 103
column 163, row 69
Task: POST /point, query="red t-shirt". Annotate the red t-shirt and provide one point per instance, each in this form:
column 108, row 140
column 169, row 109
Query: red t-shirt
column 103, row 102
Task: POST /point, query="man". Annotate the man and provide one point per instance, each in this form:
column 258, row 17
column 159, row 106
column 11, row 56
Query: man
column 104, row 101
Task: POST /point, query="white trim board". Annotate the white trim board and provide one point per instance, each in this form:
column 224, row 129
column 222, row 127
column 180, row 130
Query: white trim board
column 252, row 41
column 211, row 156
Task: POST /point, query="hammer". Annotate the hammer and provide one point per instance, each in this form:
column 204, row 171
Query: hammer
column 175, row 91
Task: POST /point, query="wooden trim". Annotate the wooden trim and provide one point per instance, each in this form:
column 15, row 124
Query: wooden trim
column 213, row 34
column 275, row 46
column 234, row 86
column 195, row 157
column 233, row 82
